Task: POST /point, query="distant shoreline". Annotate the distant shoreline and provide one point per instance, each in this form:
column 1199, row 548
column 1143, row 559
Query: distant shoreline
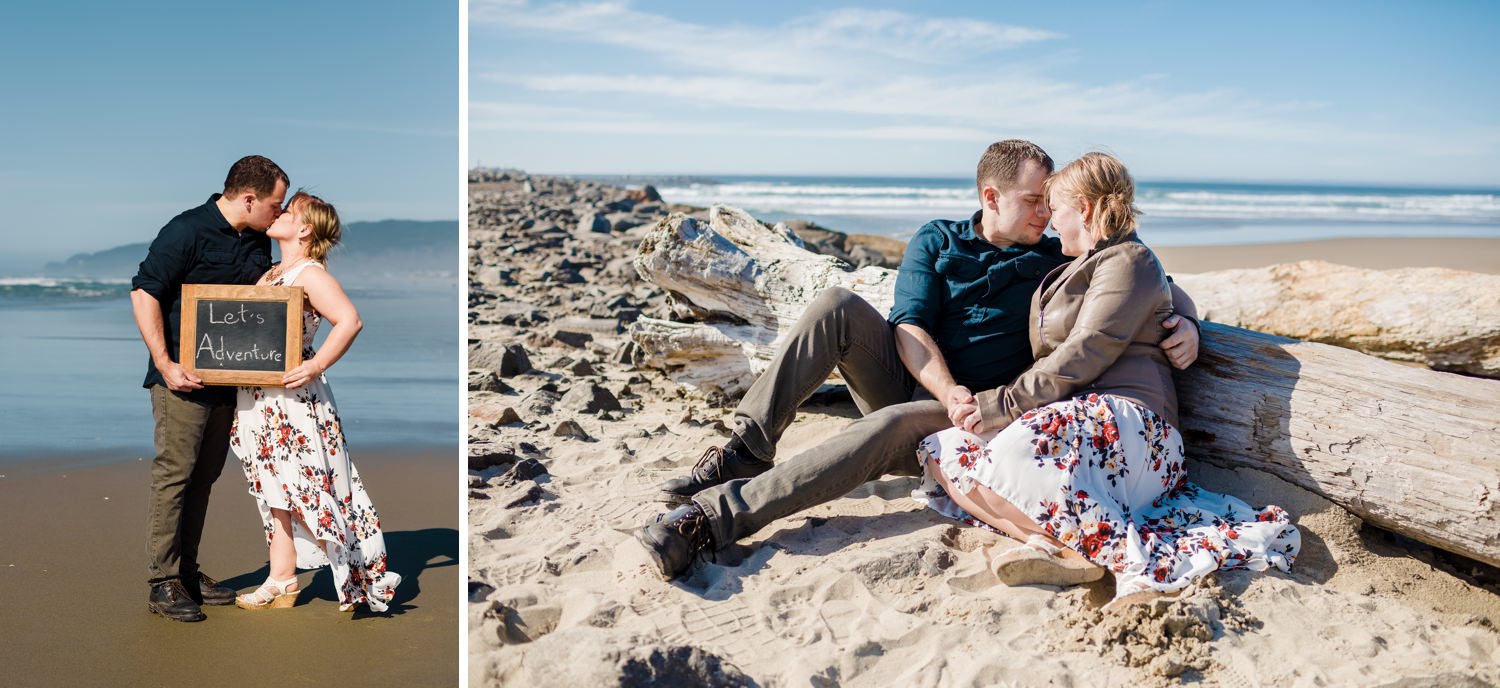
column 1176, row 213
column 380, row 244
column 624, row 179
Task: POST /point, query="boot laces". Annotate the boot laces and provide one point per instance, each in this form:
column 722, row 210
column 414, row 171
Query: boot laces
column 694, row 527
column 710, row 466
column 175, row 588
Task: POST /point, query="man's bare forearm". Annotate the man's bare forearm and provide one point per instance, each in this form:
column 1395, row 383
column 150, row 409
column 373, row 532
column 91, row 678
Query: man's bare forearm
column 922, row 358
column 153, row 329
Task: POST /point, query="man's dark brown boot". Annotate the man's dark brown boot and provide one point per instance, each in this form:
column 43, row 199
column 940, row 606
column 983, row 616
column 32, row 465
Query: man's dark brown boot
column 676, row 539
column 210, row 592
column 717, row 466
column 171, row 600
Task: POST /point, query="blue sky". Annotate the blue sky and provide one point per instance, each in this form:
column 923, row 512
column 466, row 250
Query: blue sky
column 120, row 115
column 1371, row 92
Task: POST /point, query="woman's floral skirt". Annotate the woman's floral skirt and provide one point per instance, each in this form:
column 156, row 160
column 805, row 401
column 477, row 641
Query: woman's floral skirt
column 291, row 445
column 1105, row 476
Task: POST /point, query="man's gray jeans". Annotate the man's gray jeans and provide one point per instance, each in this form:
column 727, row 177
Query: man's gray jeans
column 838, row 330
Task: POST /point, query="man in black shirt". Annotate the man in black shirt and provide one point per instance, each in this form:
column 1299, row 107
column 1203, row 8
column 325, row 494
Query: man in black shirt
column 219, row 242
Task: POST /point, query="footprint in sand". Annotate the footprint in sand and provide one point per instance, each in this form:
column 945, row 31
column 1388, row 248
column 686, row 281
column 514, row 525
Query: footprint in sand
column 675, row 615
column 513, row 572
column 727, row 628
column 632, row 500
column 1232, row 677
column 851, row 612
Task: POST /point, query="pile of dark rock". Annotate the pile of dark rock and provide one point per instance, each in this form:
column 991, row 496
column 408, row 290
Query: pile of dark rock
column 552, row 294
column 858, row 250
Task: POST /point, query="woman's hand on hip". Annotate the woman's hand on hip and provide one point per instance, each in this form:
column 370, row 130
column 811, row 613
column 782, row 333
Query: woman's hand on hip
column 302, row 374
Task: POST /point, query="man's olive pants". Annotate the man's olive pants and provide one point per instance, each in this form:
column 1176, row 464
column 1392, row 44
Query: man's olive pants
column 191, row 443
column 838, row 330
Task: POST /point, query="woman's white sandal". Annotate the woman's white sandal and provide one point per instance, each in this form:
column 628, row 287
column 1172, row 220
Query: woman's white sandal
column 1037, row 563
column 272, row 594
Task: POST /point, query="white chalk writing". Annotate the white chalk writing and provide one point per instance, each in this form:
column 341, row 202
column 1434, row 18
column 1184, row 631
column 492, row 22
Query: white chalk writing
column 222, row 354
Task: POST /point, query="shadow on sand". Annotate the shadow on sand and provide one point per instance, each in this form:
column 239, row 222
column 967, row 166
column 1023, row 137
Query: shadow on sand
column 410, row 553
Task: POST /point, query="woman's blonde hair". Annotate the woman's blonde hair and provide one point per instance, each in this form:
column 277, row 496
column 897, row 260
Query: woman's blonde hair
column 323, row 220
column 1103, row 180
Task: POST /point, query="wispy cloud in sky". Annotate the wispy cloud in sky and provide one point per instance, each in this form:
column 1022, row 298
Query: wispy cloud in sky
column 912, row 76
column 853, row 42
column 1019, row 101
column 861, row 74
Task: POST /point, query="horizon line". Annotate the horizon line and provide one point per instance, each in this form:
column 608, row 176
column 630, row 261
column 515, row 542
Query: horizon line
column 1492, row 187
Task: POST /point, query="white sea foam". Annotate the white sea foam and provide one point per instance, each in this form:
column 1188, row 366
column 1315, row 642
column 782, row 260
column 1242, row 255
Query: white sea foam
column 27, row 289
column 846, row 198
column 54, row 282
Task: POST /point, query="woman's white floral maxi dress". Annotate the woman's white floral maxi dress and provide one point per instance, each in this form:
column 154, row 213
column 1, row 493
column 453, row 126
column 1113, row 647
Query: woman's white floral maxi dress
column 1105, row 476
column 291, row 445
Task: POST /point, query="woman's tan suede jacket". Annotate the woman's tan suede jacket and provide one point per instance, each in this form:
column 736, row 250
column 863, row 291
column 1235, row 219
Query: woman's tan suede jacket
column 1095, row 328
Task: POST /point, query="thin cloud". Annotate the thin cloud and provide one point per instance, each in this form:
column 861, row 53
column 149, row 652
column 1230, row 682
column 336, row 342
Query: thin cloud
column 1020, row 100
column 879, row 75
column 843, row 41
column 872, row 63
column 906, row 37
column 509, row 118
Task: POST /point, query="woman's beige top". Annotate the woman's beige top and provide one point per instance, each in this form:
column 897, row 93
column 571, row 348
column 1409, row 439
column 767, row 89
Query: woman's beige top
column 1095, row 328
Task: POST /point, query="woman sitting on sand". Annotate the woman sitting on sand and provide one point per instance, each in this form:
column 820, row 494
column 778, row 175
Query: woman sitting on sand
column 1080, row 457
column 289, row 440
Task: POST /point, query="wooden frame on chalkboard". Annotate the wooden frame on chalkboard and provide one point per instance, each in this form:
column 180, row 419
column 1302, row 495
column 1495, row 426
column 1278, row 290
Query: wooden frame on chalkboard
column 241, row 296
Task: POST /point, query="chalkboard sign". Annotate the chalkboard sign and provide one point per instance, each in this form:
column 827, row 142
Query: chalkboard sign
column 240, row 335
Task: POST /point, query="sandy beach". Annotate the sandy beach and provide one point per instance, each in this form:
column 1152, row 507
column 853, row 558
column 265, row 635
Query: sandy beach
column 569, row 439
column 1473, row 255
column 75, row 572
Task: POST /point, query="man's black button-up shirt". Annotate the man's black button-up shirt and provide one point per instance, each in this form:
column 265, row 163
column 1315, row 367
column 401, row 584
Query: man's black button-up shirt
column 198, row 246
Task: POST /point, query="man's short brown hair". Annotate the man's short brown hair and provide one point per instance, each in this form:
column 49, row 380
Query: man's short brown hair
column 254, row 173
column 1001, row 163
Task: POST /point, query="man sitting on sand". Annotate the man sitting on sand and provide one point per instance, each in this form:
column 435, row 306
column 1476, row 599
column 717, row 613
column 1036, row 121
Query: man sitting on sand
column 208, row 244
column 963, row 295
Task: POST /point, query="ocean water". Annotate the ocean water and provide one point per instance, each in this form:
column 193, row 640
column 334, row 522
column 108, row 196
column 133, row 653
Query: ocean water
column 72, row 362
column 1175, row 213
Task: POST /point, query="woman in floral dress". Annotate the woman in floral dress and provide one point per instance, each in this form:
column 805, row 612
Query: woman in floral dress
column 289, row 440
column 1080, row 458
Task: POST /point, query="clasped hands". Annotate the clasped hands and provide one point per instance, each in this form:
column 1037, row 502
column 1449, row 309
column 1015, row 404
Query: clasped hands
column 963, row 409
column 1181, row 349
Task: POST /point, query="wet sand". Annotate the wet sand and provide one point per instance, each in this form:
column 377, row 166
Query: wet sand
column 1474, row 255
column 74, row 571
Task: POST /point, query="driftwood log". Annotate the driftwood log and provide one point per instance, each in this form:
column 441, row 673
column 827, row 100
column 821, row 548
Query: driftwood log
column 1408, row 449
column 1444, row 319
